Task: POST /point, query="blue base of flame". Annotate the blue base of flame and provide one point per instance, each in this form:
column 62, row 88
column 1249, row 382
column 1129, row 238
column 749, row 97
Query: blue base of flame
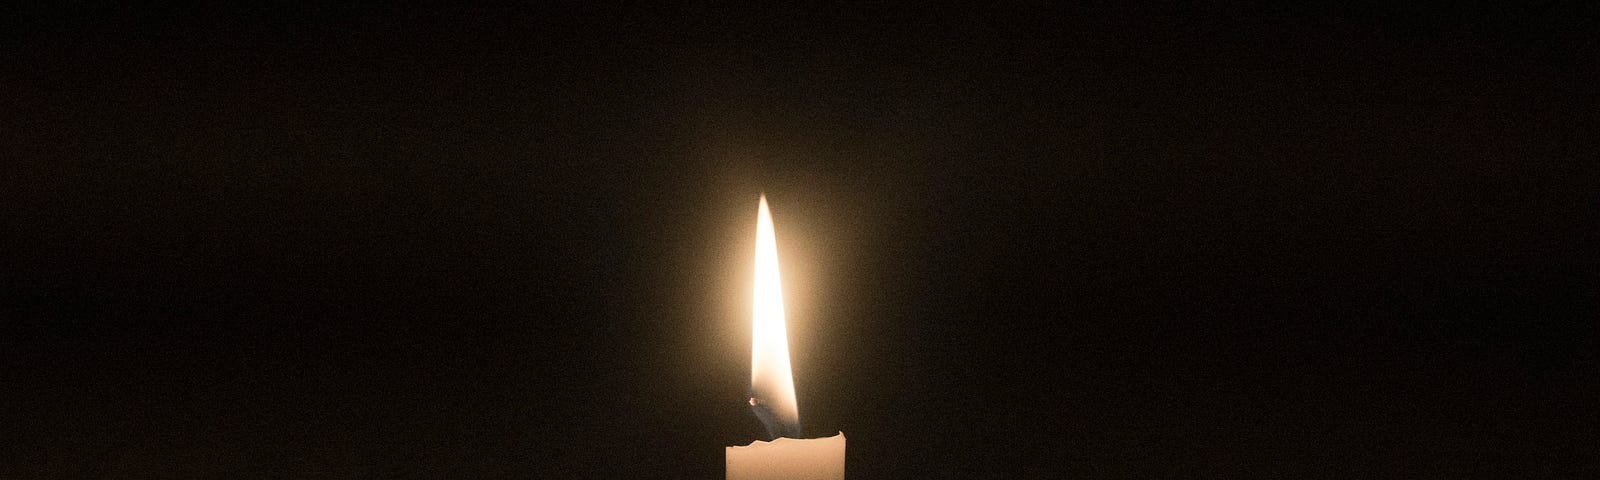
column 775, row 428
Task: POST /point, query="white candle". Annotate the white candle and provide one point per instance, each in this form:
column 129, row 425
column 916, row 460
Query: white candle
column 789, row 458
column 772, row 385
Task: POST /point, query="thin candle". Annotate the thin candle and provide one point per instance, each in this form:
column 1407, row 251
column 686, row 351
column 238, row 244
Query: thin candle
column 772, row 385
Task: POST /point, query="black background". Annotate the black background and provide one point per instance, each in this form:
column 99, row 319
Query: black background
column 463, row 242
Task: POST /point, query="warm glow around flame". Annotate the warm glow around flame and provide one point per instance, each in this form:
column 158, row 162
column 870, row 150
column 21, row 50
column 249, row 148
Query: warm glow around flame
column 770, row 378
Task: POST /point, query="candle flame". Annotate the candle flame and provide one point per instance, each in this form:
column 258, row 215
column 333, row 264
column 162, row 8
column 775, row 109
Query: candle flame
column 771, row 382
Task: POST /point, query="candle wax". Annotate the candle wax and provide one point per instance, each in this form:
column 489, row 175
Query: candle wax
column 788, row 459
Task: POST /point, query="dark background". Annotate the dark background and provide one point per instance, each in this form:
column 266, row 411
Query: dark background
column 462, row 242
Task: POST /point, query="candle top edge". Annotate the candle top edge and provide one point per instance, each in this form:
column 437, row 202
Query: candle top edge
column 838, row 435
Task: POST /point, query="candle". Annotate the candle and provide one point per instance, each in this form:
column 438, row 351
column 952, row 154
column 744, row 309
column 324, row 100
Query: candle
column 789, row 458
column 772, row 386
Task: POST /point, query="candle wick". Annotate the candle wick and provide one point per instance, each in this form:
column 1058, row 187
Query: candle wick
column 775, row 428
